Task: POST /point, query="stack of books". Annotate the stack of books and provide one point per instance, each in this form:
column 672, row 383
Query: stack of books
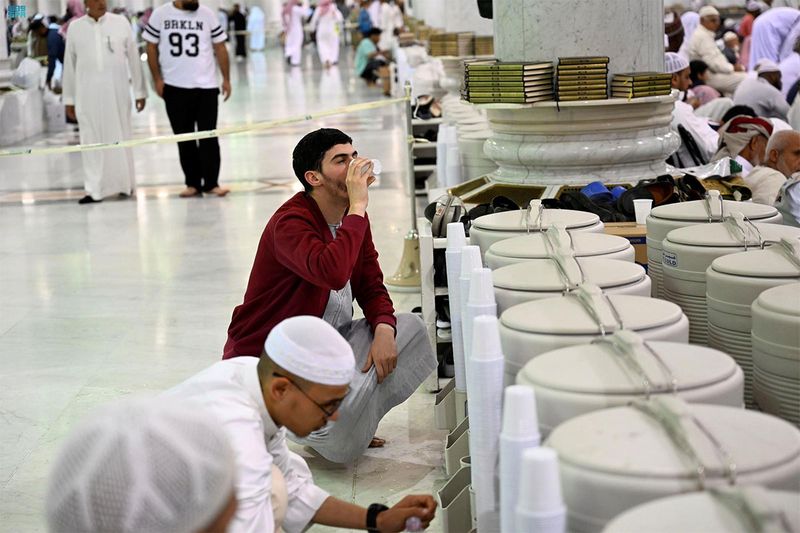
column 491, row 81
column 640, row 84
column 582, row 78
column 452, row 44
column 484, row 46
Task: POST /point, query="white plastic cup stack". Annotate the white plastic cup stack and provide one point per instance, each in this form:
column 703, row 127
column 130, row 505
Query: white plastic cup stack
column 441, row 155
column 485, row 400
column 641, row 208
column 480, row 301
column 470, row 260
column 540, row 506
column 453, row 165
column 520, row 432
column 456, row 241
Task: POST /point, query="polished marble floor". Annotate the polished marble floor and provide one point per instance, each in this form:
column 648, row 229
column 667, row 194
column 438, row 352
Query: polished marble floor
column 132, row 296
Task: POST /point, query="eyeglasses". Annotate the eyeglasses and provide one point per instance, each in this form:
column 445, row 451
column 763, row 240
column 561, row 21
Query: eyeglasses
column 329, row 409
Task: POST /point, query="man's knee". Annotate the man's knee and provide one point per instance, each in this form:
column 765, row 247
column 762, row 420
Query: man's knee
column 410, row 322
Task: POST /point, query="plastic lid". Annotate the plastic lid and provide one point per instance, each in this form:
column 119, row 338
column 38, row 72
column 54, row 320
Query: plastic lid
column 626, row 442
column 515, row 220
column 769, row 263
column 595, row 369
column 564, row 315
column 718, row 234
column 702, row 511
column 534, row 246
column 696, row 210
column 784, row 299
column 543, row 274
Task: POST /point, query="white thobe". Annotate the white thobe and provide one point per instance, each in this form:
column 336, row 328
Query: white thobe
column 101, row 62
column 327, row 27
column 790, row 72
column 721, row 73
column 705, row 137
column 255, row 25
column 766, row 100
column 690, row 20
column 770, row 30
column 230, row 393
column 293, row 48
column 765, row 183
column 374, row 11
column 388, row 23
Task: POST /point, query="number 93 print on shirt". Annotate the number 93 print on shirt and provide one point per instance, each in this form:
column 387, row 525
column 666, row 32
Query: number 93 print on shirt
column 185, row 42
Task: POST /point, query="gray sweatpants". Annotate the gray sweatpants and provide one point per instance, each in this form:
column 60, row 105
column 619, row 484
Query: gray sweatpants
column 346, row 439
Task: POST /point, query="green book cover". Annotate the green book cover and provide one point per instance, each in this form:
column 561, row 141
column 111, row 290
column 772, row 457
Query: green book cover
column 642, row 76
column 644, row 84
column 480, row 66
column 507, row 94
column 580, row 85
column 577, row 98
column 588, row 67
column 620, row 94
column 582, row 79
column 583, row 60
column 516, row 100
column 581, row 92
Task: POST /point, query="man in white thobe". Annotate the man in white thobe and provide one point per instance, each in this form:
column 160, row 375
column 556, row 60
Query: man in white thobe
column 374, row 11
column 763, row 93
column 101, row 63
column 724, row 77
column 744, row 139
column 391, row 19
column 770, row 31
column 782, row 160
column 683, row 114
column 297, row 384
column 293, row 18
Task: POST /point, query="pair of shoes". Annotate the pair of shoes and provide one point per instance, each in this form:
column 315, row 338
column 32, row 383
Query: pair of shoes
column 218, row 191
column 499, row 204
column 88, row 200
column 189, row 192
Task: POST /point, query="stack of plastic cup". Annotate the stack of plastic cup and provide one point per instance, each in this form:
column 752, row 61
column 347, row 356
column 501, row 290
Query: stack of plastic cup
column 456, row 241
column 470, row 260
column 540, row 507
column 441, row 155
column 520, row 432
column 453, row 166
column 485, row 387
column 480, row 301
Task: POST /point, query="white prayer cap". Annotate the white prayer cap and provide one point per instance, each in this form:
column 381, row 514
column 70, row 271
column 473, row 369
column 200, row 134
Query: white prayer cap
column 708, row 11
column 729, row 35
column 674, row 62
column 755, row 5
column 138, row 465
column 765, row 65
column 311, row 349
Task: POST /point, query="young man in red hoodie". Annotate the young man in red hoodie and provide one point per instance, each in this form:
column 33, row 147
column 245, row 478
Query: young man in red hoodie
column 315, row 256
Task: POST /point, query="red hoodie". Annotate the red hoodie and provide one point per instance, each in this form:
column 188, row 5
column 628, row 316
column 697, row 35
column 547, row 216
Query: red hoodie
column 298, row 263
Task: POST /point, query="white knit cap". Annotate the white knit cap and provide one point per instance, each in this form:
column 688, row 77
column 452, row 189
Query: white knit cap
column 708, row 11
column 674, row 62
column 311, row 349
column 765, row 65
column 729, row 35
column 138, row 465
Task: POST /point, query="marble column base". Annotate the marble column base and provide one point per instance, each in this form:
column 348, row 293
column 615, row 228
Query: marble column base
column 612, row 141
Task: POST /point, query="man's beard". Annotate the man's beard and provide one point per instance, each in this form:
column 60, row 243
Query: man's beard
column 191, row 6
column 778, row 85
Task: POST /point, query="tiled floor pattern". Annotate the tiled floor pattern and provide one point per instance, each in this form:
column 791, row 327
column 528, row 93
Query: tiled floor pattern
column 132, row 296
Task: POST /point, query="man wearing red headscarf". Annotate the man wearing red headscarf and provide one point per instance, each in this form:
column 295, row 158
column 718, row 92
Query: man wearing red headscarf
column 744, row 139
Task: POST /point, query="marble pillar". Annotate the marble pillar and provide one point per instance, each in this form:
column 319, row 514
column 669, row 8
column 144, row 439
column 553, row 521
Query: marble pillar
column 462, row 15
column 432, row 12
column 614, row 140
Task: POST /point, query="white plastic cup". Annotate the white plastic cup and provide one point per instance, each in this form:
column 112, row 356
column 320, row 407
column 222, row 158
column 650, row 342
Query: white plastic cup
column 481, row 288
column 456, row 238
column 539, row 484
column 377, row 168
column 520, row 419
column 642, row 208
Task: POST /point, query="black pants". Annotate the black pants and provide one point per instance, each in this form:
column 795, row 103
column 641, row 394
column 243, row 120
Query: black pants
column 192, row 110
column 241, row 49
column 371, row 70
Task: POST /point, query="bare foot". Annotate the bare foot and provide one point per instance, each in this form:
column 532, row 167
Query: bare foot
column 377, row 442
column 188, row 192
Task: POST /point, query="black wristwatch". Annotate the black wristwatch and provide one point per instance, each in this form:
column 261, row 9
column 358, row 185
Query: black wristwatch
column 372, row 516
